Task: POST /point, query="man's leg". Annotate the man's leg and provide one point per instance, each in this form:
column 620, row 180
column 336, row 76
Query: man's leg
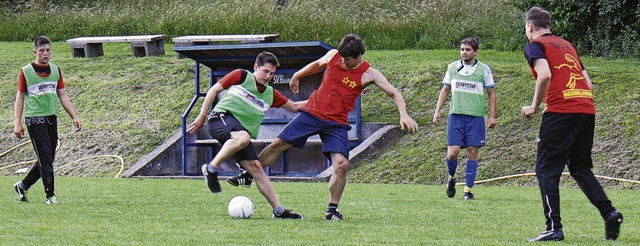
column 270, row 154
column 238, row 141
column 580, row 165
column 452, row 165
column 471, row 171
column 43, row 139
column 266, row 189
column 337, row 182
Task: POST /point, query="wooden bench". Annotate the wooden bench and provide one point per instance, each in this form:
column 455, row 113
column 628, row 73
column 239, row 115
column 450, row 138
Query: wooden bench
column 141, row 45
column 255, row 141
column 208, row 39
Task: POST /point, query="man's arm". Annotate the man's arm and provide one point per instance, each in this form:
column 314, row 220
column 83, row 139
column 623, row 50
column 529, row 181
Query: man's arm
column 198, row 122
column 68, row 107
column 18, row 130
column 293, row 106
column 492, row 107
column 541, row 66
column 587, row 78
column 378, row 79
column 310, row 69
column 441, row 98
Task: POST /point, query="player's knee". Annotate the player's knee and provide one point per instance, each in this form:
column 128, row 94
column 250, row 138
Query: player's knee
column 341, row 166
column 242, row 137
column 280, row 145
column 252, row 166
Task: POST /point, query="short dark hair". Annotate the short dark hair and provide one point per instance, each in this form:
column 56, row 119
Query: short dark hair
column 40, row 41
column 539, row 17
column 351, row 46
column 473, row 42
column 267, row 57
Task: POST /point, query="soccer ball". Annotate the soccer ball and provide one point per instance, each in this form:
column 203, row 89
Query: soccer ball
column 240, row 207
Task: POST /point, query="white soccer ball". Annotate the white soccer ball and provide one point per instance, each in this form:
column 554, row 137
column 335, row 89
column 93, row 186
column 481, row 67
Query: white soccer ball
column 240, row 207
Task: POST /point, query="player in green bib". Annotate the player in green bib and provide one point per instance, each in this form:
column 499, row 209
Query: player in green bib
column 467, row 79
column 236, row 119
column 40, row 91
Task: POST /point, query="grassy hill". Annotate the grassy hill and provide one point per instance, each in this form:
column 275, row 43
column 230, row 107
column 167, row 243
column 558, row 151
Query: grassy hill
column 130, row 105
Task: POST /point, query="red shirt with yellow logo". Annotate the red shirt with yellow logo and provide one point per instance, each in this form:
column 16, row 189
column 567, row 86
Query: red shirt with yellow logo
column 337, row 94
column 568, row 91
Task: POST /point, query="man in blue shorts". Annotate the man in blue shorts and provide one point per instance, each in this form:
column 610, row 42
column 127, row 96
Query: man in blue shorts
column 467, row 79
column 346, row 74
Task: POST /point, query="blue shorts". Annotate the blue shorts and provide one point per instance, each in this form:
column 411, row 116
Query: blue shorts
column 333, row 135
column 465, row 130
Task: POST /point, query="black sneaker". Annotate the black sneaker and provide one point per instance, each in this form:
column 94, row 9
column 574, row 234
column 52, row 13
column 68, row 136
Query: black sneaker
column 243, row 179
column 468, row 196
column 451, row 188
column 288, row 214
column 335, row 215
column 211, row 179
column 552, row 235
column 21, row 192
column 612, row 225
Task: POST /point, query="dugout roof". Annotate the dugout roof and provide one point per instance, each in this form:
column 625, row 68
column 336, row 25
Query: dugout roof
column 226, row 57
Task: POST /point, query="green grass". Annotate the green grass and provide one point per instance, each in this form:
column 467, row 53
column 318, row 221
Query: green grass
column 104, row 211
column 386, row 24
column 130, row 105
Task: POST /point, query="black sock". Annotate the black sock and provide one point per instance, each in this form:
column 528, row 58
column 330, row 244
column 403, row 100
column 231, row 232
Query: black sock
column 332, row 207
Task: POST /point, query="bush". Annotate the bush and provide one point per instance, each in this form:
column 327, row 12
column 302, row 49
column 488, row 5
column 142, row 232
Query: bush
column 607, row 28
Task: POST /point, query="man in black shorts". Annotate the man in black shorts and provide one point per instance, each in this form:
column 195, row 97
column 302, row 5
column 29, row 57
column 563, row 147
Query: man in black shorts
column 236, row 119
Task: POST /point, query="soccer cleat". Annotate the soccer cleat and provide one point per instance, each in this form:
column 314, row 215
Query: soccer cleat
column 335, row 215
column 468, row 196
column 243, row 179
column 211, row 179
column 552, row 235
column 288, row 214
column 451, row 187
column 21, row 192
column 612, row 225
column 51, row 200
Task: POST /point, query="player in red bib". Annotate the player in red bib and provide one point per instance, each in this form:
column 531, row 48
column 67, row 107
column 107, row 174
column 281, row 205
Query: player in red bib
column 346, row 75
column 566, row 131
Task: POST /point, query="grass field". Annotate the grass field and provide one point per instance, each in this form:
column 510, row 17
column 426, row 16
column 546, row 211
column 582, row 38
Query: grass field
column 104, row 211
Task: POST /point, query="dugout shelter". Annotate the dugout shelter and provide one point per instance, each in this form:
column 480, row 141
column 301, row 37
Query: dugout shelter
column 221, row 59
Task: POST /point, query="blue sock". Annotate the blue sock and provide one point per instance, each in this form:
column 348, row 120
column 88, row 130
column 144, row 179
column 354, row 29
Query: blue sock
column 278, row 211
column 451, row 166
column 212, row 168
column 472, row 170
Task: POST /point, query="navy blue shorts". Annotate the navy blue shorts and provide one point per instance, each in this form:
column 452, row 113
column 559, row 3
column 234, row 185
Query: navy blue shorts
column 465, row 130
column 333, row 135
column 220, row 127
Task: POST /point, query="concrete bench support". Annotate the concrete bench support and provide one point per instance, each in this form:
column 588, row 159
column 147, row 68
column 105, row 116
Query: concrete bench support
column 143, row 45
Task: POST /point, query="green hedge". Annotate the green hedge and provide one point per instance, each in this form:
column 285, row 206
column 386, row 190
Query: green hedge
column 607, row 28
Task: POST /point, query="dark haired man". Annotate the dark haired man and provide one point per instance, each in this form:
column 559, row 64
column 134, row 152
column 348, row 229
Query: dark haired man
column 236, row 119
column 40, row 89
column 567, row 127
column 467, row 79
column 345, row 77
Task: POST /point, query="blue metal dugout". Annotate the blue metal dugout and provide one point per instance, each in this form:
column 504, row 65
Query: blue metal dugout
column 222, row 59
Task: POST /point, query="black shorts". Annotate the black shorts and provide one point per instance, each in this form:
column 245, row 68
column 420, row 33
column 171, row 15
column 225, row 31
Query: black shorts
column 220, row 127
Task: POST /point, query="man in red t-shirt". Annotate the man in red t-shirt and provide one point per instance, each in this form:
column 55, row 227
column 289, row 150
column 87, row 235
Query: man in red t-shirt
column 566, row 131
column 325, row 113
